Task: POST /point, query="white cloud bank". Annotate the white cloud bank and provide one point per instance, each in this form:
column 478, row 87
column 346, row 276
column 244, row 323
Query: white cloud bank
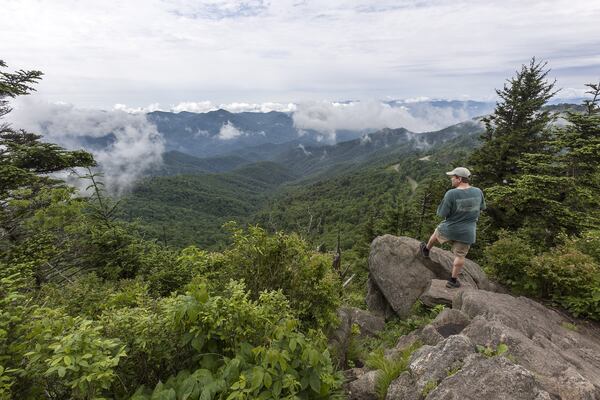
column 137, row 145
column 327, row 117
column 207, row 106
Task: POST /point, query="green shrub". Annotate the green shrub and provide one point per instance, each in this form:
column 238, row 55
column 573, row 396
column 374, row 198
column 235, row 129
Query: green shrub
column 245, row 348
column 69, row 357
column 429, row 387
column 568, row 277
column 14, row 310
column 152, row 340
column 490, row 352
column 563, row 271
column 280, row 262
column 589, row 243
column 88, row 295
column 508, row 259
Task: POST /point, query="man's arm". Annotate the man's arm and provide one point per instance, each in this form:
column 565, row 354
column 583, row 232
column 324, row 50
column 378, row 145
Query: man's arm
column 445, row 207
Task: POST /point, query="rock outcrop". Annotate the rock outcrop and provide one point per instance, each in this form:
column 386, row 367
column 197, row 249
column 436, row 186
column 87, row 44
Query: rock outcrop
column 489, row 345
column 400, row 275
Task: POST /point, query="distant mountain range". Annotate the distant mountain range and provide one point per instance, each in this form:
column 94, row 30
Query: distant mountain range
column 221, row 132
column 307, row 159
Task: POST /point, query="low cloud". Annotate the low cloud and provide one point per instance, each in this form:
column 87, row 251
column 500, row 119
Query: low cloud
column 229, row 131
column 207, row 106
column 306, row 152
column 327, row 117
column 131, row 144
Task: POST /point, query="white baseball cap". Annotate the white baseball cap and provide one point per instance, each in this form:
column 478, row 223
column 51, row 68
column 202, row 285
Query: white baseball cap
column 460, row 171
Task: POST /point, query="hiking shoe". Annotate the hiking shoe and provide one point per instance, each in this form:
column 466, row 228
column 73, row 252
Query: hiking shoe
column 424, row 249
column 452, row 284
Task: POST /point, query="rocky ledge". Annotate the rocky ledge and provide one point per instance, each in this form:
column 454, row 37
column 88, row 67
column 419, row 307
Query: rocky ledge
column 488, row 345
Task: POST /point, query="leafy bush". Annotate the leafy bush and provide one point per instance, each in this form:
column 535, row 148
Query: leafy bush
column 589, row 243
column 490, row 352
column 88, row 295
column 274, row 262
column 568, row 277
column 13, row 311
column 70, row 357
column 508, row 259
column 245, row 349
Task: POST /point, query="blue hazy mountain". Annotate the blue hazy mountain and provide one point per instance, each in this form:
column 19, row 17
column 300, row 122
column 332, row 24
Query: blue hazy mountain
column 307, row 159
column 221, row 132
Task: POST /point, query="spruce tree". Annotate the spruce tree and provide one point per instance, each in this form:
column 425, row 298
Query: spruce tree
column 26, row 161
column 518, row 125
column 558, row 189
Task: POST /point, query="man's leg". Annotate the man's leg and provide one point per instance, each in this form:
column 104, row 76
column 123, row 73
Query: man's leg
column 457, row 266
column 460, row 251
column 425, row 247
column 432, row 240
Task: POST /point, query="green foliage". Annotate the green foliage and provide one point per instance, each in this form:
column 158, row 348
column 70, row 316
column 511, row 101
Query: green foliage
column 89, row 295
column 489, row 352
column 389, row 368
column 570, row 326
column 81, row 358
column 430, row 385
column 454, row 370
column 14, row 309
column 589, row 243
column 565, row 274
column 359, row 348
column 508, row 260
column 282, row 262
column 261, row 354
column 190, row 209
column 570, row 278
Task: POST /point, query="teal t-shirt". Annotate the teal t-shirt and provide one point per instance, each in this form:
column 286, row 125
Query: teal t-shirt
column 461, row 209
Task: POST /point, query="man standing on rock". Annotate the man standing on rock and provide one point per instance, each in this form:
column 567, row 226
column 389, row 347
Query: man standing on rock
column 460, row 207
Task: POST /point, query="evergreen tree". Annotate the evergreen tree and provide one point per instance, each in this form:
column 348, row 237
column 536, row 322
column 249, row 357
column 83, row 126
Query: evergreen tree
column 517, row 126
column 580, row 140
column 25, row 161
column 557, row 190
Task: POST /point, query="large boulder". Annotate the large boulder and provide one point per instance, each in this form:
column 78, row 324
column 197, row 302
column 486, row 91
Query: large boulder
column 363, row 388
column 402, row 275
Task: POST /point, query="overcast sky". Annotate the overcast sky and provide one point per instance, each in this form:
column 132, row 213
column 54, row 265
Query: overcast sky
column 136, row 53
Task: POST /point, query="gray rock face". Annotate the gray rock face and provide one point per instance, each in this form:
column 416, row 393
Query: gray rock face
column 438, row 293
column 402, row 275
column 436, row 363
column 403, row 388
column 369, row 323
column 490, row 379
column 376, row 300
column 566, row 362
column 363, row 388
column 547, row 358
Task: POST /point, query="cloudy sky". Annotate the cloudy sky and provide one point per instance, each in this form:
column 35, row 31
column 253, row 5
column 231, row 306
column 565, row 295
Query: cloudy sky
column 169, row 53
